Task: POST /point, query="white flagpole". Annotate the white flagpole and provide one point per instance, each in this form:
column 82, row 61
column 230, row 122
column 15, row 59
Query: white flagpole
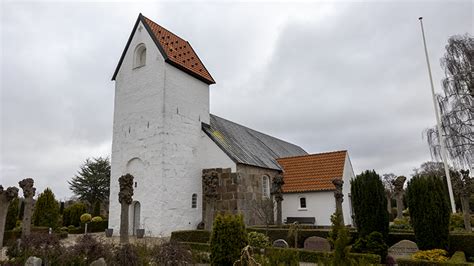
column 440, row 135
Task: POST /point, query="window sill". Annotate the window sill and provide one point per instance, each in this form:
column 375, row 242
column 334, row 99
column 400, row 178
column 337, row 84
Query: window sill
column 302, row 209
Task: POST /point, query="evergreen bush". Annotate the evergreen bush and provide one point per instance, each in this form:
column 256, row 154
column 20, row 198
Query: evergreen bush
column 372, row 244
column 370, row 204
column 429, row 212
column 86, row 217
column 46, row 211
column 258, row 240
column 228, row 237
column 72, row 214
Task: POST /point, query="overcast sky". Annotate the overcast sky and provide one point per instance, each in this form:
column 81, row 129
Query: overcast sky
column 325, row 76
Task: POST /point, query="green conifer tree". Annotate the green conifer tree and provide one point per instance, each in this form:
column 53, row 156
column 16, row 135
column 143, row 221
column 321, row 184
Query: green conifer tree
column 46, row 211
column 228, row 238
column 429, row 212
column 12, row 214
column 370, row 204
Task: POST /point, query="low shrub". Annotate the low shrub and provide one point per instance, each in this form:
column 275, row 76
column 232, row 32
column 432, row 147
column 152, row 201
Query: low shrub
column 315, row 256
column 127, row 255
column 86, row 250
column 456, row 222
column 258, row 240
column 45, row 246
column 173, row 253
column 96, row 219
column 462, row 242
column 372, row 244
column 458, row 257
column 401, row 224
column 282, row 256
column 95, row 226
column 199, row 236
column 86, row 217
column 436, row 255
column 204, row 247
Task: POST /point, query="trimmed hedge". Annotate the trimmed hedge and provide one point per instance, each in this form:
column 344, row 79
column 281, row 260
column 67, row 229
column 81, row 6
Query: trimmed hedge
column 199, row 236
column 410, row 262
column 197, row 246
column 303, row 255
column 458, row 241
column 462, row 242
column 315, row 256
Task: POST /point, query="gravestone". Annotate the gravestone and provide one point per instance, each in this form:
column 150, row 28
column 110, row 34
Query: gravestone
column 33, row 261
column 402, row 249
column 317, row 243
column 280, row 243
column 98, row 262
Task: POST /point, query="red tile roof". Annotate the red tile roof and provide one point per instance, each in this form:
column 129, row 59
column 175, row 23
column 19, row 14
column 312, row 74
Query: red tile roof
column 176, row 51
column 313, row 172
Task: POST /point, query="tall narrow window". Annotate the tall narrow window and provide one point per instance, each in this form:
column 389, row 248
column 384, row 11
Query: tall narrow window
column 140, row 55
column 302, row 203
column 266, row 186
column 194, row 201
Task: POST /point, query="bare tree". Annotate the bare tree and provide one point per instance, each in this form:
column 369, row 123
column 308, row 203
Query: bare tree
column 264, row 209
column 456, row 103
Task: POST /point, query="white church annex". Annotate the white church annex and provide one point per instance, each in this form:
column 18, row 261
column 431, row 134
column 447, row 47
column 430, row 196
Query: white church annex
column 164, row 135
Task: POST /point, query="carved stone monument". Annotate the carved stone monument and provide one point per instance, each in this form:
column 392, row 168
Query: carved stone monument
column 402, row 249
column 125, row 198
column 398, row 189
column 277, row 192
column 280, row 243
column 6, row 197
column 317, row 243
column 210, row 183
column 339, row 196
column 28, row 193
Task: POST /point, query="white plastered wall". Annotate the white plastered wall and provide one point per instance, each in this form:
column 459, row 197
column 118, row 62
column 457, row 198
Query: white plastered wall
column 322, row 204
column 157, row 121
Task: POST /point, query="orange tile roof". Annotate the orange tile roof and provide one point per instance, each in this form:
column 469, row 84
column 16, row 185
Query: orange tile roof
column 313, row 172
column 176, row 51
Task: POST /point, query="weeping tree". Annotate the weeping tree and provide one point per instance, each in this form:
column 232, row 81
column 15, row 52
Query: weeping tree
column 456, row 103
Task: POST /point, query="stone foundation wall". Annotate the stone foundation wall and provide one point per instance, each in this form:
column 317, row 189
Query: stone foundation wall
column 238, row 192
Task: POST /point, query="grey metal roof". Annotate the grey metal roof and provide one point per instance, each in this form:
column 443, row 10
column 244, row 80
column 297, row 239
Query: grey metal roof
column 247, row 146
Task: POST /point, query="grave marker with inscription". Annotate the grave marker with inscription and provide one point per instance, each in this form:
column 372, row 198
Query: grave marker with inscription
column 402, row 249
column 317, row 243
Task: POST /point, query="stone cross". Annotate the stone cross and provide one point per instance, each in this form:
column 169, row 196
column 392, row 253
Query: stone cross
column 339, row 196
column 277, row 192
column 125, row 199
column 398, row 189
column 28, row 193
column 210, row 183
column 6, row 197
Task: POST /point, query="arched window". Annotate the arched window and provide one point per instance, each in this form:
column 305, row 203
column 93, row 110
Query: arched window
column 194, row 201
column 302, row 202
column 140, row 56
column 266, row 186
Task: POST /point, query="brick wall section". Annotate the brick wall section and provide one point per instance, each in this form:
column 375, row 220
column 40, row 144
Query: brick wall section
column 238, row 192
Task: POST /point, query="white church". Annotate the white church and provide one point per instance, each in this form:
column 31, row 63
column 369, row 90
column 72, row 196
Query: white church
column 164, row 135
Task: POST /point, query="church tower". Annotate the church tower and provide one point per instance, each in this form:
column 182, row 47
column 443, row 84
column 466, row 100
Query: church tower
column 161, row 99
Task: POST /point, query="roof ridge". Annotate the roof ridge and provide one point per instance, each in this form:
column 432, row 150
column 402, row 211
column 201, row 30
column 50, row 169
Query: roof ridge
column 314, row 154
column 287, row 142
